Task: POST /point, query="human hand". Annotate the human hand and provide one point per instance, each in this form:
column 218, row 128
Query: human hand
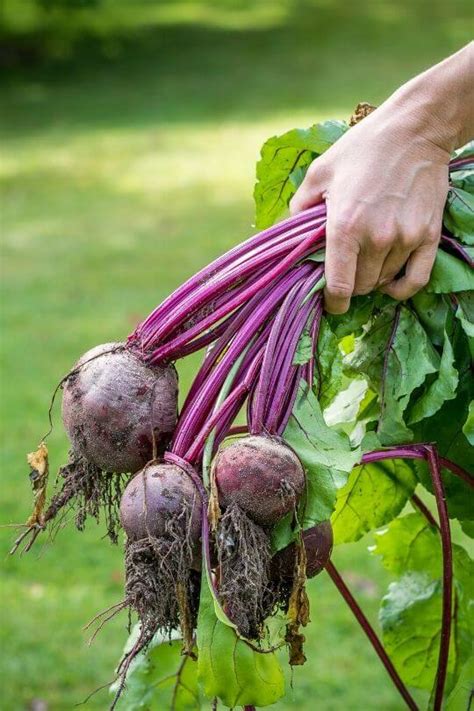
column 385, row 184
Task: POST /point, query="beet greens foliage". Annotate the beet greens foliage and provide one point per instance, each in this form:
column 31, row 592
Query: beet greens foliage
column 377, row 406
column 388, row 414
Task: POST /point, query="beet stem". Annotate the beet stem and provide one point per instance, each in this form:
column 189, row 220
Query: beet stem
column 434, row 466
column 371, row 634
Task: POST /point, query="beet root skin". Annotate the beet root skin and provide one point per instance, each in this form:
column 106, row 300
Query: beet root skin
column 113, row 403
column 155, row 497
column 318, row 543
column 262, row 476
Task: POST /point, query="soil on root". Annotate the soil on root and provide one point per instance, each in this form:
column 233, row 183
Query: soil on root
column 161, row 585
column 90, row 492
column 244, row 555
column 86, row 489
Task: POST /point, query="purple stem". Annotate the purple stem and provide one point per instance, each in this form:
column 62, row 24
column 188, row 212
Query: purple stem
column 434, row 466
column 460, row 163
column 371, row 634
column 282, row 319
column 223, row 261
column 418, row 503
column 303, row 249
column 202, row 398
column 222, row 283
column 231, row 404
column 457, row 471
column 271, row 296
column 454, row 246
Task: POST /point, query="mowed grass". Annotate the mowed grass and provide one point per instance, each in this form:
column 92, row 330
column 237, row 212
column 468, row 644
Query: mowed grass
column 120, row 177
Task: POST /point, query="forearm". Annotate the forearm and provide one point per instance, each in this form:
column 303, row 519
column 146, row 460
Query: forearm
column 439, row 103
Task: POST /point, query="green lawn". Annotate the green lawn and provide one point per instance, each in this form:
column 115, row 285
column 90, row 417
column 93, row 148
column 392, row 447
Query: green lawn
column 121, row 175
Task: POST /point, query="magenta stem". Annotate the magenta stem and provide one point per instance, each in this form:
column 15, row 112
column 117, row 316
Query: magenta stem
column 434, row 466
column 371, row 634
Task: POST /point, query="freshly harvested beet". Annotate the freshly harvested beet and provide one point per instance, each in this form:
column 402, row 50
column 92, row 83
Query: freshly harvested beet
column 161, row 514
column 157, row 495
column 262, row 476
column 318, row 542
column 115, row 404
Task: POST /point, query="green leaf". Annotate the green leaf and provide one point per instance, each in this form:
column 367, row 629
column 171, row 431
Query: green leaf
column 411, row 611
column 304, row 349
column 442, row 389
column 367, row 356
column 468, row 427
column 325, row 454
column 328, row 375
column 284, row 160
column 396, row 360
column 410, row 359
column 463, row 179
column 460, row 698
column 228, row 668
column 432, row 311
column 468, row 528
column 355, row 318
column 450, row 275
column 409, row 543
column 374, row 494
column 160, row 678
column 459, row 214
column 465, row 314
column 410, row 617
column 445, row 427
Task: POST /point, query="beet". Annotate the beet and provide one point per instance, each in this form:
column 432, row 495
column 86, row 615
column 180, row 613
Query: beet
column 262, row 476
column 111, row 405
column 318, row 542
column 165, row 492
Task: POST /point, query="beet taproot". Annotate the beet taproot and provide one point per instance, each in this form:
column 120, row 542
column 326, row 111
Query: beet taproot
column 116, row 408
column 262, row 476
column 318, row 543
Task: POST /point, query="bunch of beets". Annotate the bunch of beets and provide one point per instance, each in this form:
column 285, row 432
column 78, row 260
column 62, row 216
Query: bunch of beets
column 198, row 495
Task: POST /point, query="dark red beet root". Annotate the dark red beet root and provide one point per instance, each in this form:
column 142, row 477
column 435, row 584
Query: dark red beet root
column 262, row 476
column 318, row 543
column 113, row 403
column 156, row 496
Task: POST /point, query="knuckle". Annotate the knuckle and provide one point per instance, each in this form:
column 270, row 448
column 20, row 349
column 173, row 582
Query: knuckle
column 345, row 227
column 382, row 240
column 432, row 234
column 316, row 171
column 339, row 289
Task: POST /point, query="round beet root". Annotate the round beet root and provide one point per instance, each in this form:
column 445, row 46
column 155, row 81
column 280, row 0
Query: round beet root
column 262, row 476
column 318, row 546
column 157, row 497
column 112, row 404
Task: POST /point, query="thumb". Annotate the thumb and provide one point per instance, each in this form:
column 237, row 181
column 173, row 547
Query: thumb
column 312, row 189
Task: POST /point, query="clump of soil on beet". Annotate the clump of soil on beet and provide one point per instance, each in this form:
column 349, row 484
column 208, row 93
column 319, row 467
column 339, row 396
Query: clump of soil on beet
column 258, row 481
column 161, row 515
column 244, row 557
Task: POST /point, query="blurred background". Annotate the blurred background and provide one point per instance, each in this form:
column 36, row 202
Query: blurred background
column 129, row 135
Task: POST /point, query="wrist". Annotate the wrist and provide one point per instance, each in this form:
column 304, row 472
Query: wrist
column 436, row 106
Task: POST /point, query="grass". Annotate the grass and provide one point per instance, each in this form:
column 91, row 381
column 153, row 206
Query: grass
column 125, row 168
